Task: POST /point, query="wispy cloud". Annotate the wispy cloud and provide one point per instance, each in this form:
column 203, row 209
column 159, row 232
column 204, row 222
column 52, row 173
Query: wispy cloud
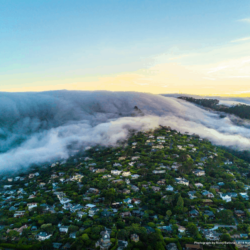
column 241, row 40
column 246, row 20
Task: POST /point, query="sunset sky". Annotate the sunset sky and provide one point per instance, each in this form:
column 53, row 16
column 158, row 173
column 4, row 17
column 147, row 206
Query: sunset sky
column 158, row 46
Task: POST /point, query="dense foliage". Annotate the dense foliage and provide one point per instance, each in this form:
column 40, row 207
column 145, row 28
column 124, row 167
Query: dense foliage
column 167, row 189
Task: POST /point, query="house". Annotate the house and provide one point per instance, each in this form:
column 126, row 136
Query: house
column 106, row 176
column 207, row 194
column 194, row 213
column 72, row 235
column 125, row 214
column 90, row 206
column 244, row 235
column 63, row 229
column 75, row 208
column 117, row 165
column 207, row 202
column 161, row 182
column 156, row 189
column 199, row 172
column 134, row 188
column 135, row 176
column 181, row 229
column 32, row 196
column 31, row 205
column 125, row 174
column 104, row 243
column 244, row 196
column 182, row 181
column 134, row 158
column 225, row 197
column 198, row 185
column 122, row 158
column 100, row 170
column 221, row 183
column 242, row 244
column 19, row 230
column 232, row 194
column 116, row 204
column 64, row 201
column 93, row 211
column 128, row 200
column 43, row 236
column 116, row 172
column 57, row 245
column 77, row 177
column 191, row 195
column 134, row 237
column 211, row 235
column 126, row 191
column 169, row 188
column 117, row 181
column 239, row 213
column 171, row 246
column 159, row 171
column 137, row 213
column 122, row 244
column 136, row 201
column 209, row 213
column 33, row 228
column 19, row 214
column 80, row 214
column 93, row 191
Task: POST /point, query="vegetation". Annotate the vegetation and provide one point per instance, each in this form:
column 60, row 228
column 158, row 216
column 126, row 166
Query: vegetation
column 168, row 188
column 240, row 110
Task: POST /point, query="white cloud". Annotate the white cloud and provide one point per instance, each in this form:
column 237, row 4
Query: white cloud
column 49, row 122
column 247, row 20
column 241, row 40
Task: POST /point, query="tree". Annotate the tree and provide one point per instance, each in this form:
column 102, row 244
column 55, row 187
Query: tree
column 85, row 237
column 192, row 229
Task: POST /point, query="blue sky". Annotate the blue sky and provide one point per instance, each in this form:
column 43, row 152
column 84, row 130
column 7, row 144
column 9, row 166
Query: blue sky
column 43, row 43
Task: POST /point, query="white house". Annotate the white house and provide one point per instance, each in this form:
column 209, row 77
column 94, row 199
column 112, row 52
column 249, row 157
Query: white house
column 126, row 174
column 182, row 181
column 225, row 197
column 31, row 205
column 43, row 236
column 116, row 172
column 198, row 185
column 133, row 158
column 159, row 171
column 135, row 176
column 64, row 201
column 117, row 165
column 169, row 188
column 63, row 229
column 128, row 200
column 199, row 172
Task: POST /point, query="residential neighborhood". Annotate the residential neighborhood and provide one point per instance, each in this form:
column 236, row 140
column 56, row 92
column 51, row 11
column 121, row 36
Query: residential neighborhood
column 154, row 191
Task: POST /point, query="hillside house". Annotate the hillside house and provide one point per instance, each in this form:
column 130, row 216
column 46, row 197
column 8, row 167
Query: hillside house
column 182, row 181
column 199, row 172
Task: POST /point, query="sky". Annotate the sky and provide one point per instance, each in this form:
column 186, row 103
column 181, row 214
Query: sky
column 158, row 46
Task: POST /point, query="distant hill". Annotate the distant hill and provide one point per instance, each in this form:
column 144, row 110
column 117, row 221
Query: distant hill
column 240, row 110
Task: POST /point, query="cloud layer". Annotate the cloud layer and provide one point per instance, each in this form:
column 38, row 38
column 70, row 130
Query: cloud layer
column 40, row 127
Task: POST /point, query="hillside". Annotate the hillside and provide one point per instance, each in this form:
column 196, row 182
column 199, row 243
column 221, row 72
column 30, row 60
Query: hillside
column 157, row 188
column 240, row 110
